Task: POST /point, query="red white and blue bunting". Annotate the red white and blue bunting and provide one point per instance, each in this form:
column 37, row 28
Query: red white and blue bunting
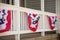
column 5, row 20
column 33, row 21
column 52, row 20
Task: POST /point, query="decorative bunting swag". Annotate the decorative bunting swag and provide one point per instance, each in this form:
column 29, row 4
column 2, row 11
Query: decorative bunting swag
column 52, row 20
column 33, row 21
column 5, row 20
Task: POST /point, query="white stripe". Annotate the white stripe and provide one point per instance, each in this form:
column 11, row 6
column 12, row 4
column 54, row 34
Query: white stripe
column 53, row 19
column 3, row 26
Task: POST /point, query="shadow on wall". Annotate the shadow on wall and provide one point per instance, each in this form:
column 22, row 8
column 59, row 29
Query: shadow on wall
column 37, row 36
column 58, row 38
column 11, row 37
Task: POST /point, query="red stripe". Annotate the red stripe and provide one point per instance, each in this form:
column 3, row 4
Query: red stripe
column 50, row 23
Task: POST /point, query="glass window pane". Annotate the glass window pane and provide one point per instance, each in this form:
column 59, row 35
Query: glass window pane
column 22, row 3
column 50, row 5
column 0, row 1
column 34, row 4
column 5, row 1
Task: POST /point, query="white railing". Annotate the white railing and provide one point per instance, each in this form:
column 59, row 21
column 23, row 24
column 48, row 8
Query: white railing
column 19, row 20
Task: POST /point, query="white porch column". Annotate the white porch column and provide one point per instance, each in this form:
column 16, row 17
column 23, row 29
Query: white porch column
column 17, row 15
column 42, row 5
column 58, row 6
column 17, row 20
column 42, row 9
column 58, row 15
column 17, row 2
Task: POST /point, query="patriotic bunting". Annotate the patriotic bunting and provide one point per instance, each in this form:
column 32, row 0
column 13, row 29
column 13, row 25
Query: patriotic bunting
column 33, row 21
column 5, row 20
column 52, row 20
